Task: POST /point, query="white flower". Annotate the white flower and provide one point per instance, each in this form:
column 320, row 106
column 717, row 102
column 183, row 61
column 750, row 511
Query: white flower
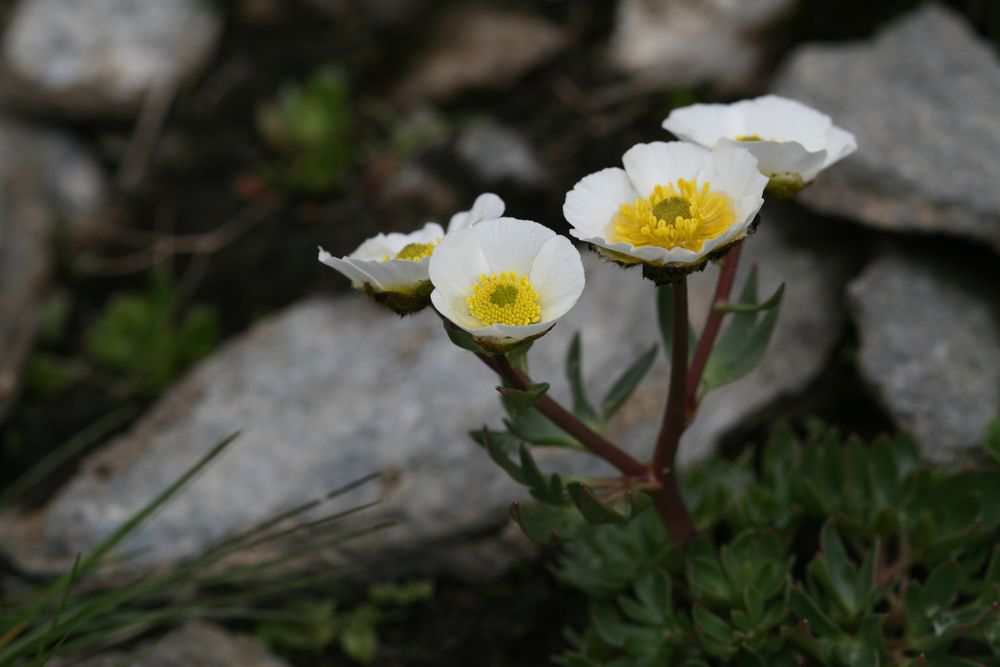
column 393, row 267
column 672, row 206
column 505, row 280
column 789, row 139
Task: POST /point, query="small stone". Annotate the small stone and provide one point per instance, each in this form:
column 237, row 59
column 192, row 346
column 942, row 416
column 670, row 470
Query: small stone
column 496, row 153
column 195, row 644
column 930, row 346
column 691, row 42
column 929, row 142
column 103, row 56
column 50, row 187
column 477, row 47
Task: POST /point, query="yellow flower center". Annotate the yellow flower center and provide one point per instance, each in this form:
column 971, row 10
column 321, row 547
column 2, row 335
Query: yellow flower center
column 504, row 298
column 414, row 252
column 674, row 216
column 756, row 137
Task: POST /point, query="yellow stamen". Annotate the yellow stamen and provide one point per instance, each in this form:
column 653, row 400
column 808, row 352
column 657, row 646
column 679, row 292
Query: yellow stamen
column 748, row 137
column 674, row 216
column 504, row 298
column 413, row 252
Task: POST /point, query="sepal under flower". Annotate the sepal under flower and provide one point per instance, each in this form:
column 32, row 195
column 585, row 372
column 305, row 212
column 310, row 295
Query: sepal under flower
column 505, row 281
column 792, row 142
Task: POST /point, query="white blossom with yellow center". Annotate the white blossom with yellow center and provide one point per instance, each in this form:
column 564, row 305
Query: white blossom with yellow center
column 672, row 204
column 398, row 262
column 788, row 138
column 505, row 280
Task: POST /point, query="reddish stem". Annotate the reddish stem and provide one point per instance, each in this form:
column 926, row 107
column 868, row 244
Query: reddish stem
column 673, row 417
column 567, row 421
column 668, row 500
column 723, row 288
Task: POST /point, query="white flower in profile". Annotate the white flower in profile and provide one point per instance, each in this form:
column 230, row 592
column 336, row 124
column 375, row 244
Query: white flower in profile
column 392, row 268
column 672, row 207
column 791, row 141
column 505, row 281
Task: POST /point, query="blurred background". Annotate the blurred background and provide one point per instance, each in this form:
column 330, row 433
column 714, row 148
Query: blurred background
column 168, row 168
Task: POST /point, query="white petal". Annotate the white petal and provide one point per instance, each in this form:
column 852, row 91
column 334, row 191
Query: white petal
column 377, row 247
column 733, row 170
column 455, row 309
column 557, row 276
column 347, row 267
column 704, row 124
column 395, row 273
column 509, row 244
column 509, row 331
column 773, row 117
column 839, row 144
column 783, row 157
column 660, row 162
column 487, row 206
column 593, row 202
column 457, row 262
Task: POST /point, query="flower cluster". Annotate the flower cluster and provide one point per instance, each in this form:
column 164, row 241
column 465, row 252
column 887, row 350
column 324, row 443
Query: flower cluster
column 671, row 208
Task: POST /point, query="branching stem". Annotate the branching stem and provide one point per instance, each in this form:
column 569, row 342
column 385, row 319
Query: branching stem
column 723, row 288
column 567, row 421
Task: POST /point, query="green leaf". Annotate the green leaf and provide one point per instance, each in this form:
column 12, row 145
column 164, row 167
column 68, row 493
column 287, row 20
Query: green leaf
column 592, row 509
column 546, row 490
column 521, row 400
column 716, row 635
column 742, row 345
column 548, row 524
column 501, row 447
column 805, row 607
column 655, row 592
column 665, row 315
column 581, row 404
column 991, row 440
column 358, row 638
column 462, row 338
column 623, row 387
column 941, row 587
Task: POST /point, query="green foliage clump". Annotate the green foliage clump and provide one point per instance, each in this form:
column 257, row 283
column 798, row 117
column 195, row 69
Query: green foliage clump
column 143, row 337
column 827, row 552
column 319, row 624
column 308, row 125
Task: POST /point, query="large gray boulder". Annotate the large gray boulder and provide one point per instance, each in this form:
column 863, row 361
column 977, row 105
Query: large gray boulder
column 930, row 346
column 104, row 56
column 333, row 389
column 923, row 99
column 50, row 187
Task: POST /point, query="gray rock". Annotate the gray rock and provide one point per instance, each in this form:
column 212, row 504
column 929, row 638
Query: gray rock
column 49, row 187
column 333, row 389
column 103, row 56
column 478, row 47
column 930, row 346
column 195, row 644
column 930, row 144
column 496, row 153
column 689, row 42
